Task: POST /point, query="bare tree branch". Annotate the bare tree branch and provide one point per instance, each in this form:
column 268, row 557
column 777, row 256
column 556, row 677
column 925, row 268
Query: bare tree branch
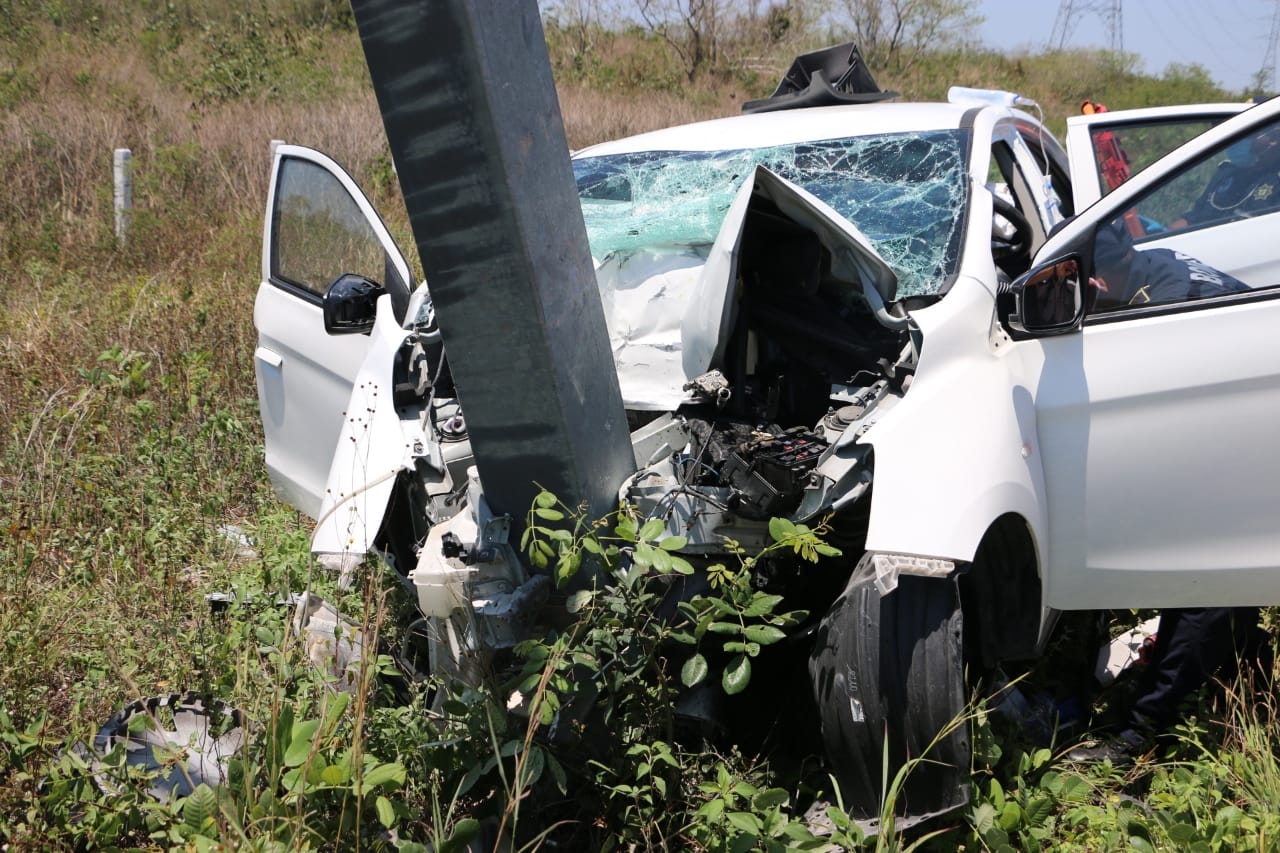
column 892, row 34
column 696, row 24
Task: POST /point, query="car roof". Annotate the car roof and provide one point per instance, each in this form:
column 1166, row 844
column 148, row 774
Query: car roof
column 759, row 130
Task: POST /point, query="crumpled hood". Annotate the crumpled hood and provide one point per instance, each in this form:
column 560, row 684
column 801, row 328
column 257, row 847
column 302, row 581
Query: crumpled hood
column 670, row 309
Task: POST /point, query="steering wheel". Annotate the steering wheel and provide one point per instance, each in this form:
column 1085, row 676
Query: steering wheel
column 1020, row 245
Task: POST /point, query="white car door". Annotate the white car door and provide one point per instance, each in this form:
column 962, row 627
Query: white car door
column 1106, row 148
column 319, row 225
column 1157, row 420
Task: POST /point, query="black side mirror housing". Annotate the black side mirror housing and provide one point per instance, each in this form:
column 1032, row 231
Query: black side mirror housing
column 350, row 305
column 1049, row 300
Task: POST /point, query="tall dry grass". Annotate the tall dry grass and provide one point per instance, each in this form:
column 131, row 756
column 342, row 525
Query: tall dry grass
column 591, row 116
column 56, row 149
column 202, row 166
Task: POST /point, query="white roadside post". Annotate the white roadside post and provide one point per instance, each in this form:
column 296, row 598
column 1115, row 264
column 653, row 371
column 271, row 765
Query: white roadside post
column 122, row 174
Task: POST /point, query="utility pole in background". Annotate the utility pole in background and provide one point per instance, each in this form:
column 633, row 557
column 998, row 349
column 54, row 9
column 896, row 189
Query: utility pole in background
column 1069, row 11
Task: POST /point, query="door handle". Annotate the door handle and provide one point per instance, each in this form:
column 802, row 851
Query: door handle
column 270, row 358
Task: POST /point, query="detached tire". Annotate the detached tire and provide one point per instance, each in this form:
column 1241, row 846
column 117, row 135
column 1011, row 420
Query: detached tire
column 888, row 677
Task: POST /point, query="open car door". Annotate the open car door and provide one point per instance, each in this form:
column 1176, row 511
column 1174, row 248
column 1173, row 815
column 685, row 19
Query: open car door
column 319, row 225
column 1159, row 390
column 1106, row 148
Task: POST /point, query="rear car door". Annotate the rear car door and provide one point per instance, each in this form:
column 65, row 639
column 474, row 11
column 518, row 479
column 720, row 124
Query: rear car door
column 319, row 225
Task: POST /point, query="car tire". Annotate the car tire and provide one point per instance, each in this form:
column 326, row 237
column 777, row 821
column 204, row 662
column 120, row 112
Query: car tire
column 888, row 677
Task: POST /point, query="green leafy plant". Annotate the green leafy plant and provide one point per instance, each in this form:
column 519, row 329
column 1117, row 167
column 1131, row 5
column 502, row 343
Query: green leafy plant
column 740, row 613
column 611, row 669
column 737, row 815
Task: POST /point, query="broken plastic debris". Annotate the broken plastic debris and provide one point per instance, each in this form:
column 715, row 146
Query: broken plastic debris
column 889, row 566
column 235, row 534
column 333, row 642
column 344, row 563
column 181, row 741
column 1125, row 650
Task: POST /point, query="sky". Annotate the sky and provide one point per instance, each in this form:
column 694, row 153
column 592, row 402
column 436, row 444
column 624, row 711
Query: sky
column 1227, row 37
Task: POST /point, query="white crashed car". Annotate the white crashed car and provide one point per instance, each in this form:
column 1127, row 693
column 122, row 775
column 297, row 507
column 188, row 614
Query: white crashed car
column 874, row 314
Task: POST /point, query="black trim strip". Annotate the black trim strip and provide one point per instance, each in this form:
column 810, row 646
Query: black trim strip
column 295, row 289
column 1162, row 309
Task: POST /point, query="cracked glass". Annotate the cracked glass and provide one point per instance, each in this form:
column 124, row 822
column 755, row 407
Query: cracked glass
column 906, row 192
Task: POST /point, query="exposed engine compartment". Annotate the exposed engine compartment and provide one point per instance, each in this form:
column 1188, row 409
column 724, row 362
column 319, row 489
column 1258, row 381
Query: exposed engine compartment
column 750, row 367
column 799, row 356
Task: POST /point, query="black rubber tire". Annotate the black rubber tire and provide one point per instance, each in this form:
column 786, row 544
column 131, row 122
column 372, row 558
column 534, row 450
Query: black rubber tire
column 888, row 677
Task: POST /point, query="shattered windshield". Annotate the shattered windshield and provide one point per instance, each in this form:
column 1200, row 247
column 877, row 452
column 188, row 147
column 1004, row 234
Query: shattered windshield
column 906, row 192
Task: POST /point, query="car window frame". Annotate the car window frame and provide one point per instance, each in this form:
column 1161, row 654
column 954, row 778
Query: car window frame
column 1255, row 293
column 391, row 279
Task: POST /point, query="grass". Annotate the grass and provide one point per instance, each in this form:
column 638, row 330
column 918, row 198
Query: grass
column 130, row 453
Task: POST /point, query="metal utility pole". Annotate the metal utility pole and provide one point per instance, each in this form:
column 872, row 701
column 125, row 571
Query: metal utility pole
column 1114, row 17
column 474, row 126
column 1069, row 11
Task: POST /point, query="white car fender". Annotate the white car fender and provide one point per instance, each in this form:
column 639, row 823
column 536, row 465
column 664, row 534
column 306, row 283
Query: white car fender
column 372, row 448
column 959, row 450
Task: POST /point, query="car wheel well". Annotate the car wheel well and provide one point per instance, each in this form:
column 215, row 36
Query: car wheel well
column 1000, row 593
column 403, row 525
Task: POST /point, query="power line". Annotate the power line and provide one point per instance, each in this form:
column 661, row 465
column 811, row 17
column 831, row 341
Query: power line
column 1191, row 41
column 1069, row 11
column 1242, row 33
column 1200, row 36
column 1203, row 29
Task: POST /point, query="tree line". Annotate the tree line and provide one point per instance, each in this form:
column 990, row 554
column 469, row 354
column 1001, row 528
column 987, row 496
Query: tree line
column 708, row 35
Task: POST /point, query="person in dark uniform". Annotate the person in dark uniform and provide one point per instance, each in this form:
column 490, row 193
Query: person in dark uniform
column 1193, row 645
column 1244, row 186
column 1124, row 275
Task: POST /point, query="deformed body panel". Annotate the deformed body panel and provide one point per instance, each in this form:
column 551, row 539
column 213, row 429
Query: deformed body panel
column 961, row 449
column 318, row 225
column 372, row 449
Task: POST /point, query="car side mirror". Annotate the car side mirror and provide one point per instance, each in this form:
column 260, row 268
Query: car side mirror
column 350, row 305
column 1048, row 300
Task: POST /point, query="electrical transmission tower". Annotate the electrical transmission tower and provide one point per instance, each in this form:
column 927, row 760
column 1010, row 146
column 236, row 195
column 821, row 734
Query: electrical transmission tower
column 1070, row 11
column 1267, row 74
